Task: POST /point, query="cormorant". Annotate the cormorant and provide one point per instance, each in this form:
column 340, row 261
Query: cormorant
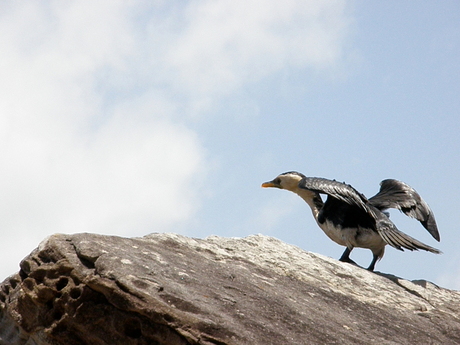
column 350, row 219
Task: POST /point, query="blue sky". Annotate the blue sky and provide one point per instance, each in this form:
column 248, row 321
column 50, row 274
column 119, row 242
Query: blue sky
column 128, row 118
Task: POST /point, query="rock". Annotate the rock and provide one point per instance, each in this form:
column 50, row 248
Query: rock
column 167, row 289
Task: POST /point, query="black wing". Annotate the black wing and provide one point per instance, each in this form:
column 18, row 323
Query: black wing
column 398, row 195
column 338, row 190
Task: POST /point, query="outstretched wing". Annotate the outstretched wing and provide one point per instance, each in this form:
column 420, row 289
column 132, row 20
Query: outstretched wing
column 398, row 195
column 338, row 190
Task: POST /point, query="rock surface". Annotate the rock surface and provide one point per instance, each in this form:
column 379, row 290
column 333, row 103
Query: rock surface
column 167, row 289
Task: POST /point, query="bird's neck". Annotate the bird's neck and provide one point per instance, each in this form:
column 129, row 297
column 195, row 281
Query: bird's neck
column 313, row 200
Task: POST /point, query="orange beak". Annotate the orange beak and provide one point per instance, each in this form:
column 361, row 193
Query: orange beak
column 268, row 184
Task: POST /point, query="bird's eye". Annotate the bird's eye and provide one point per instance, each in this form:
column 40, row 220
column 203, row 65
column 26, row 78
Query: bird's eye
column 277, row 181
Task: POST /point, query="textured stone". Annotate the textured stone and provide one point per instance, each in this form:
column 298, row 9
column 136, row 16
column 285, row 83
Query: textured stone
column 170, row 289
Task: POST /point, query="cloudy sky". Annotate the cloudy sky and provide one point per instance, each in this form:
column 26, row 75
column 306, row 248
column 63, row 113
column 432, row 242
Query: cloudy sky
column 132, row 117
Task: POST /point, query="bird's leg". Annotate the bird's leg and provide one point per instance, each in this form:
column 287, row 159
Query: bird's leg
column 346, row 256
column 372, row 265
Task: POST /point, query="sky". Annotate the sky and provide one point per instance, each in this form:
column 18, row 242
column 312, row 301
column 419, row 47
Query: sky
column 132, row 117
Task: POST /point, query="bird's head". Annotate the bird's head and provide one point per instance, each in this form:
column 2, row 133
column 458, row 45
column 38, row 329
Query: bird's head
column 289, row 180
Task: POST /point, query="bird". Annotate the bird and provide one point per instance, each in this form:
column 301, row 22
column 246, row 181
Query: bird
column 350, row 219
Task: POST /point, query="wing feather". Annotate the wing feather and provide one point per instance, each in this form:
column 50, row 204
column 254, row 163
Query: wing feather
column 399, row 195
column 338, row 190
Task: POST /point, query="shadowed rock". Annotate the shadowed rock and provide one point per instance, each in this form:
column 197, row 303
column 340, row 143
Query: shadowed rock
column 167, row 289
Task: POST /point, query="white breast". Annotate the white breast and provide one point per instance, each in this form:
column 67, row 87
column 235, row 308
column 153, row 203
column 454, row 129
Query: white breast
column 367, row 238
column 334, row 233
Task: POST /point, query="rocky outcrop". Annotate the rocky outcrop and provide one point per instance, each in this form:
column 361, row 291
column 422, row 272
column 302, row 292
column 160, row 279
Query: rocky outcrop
column 170, row 289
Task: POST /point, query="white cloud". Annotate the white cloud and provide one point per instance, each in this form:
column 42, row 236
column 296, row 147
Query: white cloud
column 93, row 97
column 214, row 47
column 73, row 157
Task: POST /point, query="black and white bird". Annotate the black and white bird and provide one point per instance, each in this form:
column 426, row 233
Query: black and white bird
column 350, row 219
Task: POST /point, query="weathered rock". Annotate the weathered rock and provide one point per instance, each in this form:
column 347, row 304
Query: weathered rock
column 170, row 289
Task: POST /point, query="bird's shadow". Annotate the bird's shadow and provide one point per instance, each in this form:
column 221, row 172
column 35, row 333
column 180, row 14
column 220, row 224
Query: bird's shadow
column 397, row 280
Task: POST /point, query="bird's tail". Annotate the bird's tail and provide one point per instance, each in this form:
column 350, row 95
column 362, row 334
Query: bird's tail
column 400, row 240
